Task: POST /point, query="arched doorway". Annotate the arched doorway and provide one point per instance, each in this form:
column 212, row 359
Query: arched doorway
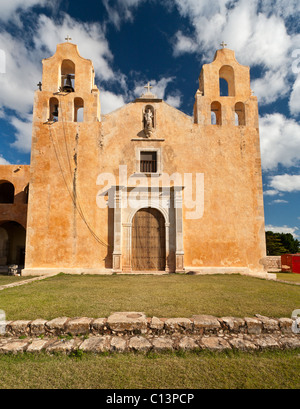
column 12, row 244
column 148, row 241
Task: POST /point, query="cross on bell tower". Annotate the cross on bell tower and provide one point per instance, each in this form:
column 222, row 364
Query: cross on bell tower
column 223, row 44
column 68, row 38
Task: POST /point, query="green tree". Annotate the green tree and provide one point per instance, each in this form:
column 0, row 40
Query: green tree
column 281, row 243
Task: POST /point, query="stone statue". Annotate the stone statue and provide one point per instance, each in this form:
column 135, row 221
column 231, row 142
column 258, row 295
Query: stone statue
column 148, row 122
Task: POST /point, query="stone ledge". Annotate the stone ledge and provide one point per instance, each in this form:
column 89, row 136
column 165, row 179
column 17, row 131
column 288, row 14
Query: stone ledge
column 136, row 323
column 144, row 344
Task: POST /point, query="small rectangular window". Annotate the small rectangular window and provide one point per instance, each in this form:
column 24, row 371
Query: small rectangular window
column 148, row 162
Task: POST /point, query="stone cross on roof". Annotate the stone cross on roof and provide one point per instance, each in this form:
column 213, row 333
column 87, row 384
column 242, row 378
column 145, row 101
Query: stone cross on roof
column 148, row 86
column 223, row 44
column 68, row 38
column 148, row 94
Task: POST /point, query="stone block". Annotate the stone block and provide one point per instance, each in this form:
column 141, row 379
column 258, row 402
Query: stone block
column 254, row 326
column 78, row 326
column 98, row 325
column 178, row 325
column 62, row 345
column 14, row 347
column 140, row 344
column 206, row 323
column 96, row 344
column 118, row 344
column 285, row 325
column 18, row 328
column 135, row 322
column 187, row 344
column 233, row 324
column 156, row 324
column 215, row 343
column 37, row 327
column 290, row 343
column 57, row 325
column 266, row 342
column 270, row 325
column 242, row 344
column 37, row 345
column 162, row 344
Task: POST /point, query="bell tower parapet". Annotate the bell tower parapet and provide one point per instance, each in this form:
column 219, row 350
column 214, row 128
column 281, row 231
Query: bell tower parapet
column 68, row 91
column 224, row 96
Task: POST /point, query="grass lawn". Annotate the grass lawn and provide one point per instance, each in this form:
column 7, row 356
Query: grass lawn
column 162, row 296
column 288, row 277
column 203, row 370
column 6, row 279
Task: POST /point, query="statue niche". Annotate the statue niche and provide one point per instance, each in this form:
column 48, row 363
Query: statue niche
column 149, row 120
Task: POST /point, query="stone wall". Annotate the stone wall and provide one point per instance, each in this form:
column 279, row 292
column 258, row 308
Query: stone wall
column 272, row 263
column 133, row 331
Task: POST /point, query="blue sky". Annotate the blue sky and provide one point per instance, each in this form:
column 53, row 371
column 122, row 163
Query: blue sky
column 165, row 42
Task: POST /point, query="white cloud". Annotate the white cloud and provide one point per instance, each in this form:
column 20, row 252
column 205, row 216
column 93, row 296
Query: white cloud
column 271, row 192
column 9, row 8
column 23, row 133
column 270, row 87
column 282, row 229
column 121, row 10
column 21, row 77
column 278, row 201
column 281, row 8
column 3, row 161
column 110, row 102
column 280, row 141
column 89, row 37
column 256, row 30
column 159, row 88
column 184, row 44
column 174, row 100
column 286, row 183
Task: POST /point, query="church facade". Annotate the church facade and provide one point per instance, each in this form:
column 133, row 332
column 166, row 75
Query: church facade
column 145, row 188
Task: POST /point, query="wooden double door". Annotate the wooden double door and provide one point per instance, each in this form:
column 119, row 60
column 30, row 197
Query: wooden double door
column 148, row 241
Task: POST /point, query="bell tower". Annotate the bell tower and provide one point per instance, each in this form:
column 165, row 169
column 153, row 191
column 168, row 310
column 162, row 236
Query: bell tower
column 224, row 96
column 64, row 157
column 68, row 85
column 226, row 117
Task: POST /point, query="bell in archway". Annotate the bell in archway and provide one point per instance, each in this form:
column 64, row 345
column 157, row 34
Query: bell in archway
column 68, row 87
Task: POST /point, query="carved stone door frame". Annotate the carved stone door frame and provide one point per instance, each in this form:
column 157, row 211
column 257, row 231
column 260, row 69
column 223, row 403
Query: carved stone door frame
column 171, row 208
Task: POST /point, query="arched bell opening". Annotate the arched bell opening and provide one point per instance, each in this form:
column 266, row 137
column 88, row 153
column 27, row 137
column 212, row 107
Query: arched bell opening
column 53, row 109
column 67, row 76
column 78, row 109
column 216, row 113
column 240, row 118
column 227, row 81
